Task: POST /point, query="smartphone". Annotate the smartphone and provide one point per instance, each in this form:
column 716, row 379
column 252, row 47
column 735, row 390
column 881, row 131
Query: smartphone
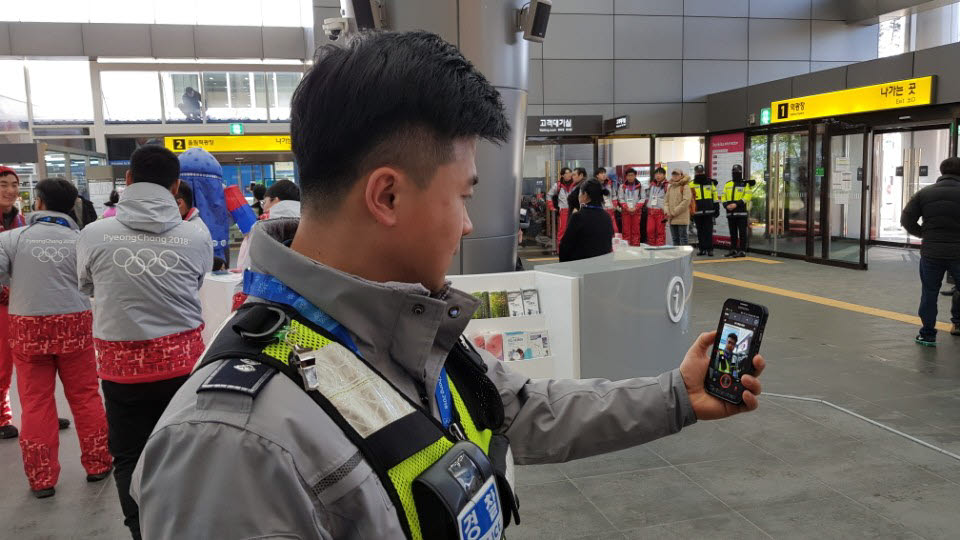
column 738, row 340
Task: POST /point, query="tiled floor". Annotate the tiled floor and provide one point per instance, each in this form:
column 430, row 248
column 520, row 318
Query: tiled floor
column 793, row 469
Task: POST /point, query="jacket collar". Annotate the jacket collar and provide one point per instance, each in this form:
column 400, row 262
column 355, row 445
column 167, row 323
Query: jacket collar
column 34, row 217
column 148, row 207
column 398, row 322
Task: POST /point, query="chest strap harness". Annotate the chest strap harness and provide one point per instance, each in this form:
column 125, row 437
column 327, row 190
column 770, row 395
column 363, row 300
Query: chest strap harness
column 418, row 461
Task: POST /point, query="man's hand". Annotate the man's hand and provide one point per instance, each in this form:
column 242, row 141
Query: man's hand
column 693, row 369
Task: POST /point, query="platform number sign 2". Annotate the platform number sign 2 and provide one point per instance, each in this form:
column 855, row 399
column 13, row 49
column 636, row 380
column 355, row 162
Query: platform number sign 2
column 179, row 144
column 783, row 111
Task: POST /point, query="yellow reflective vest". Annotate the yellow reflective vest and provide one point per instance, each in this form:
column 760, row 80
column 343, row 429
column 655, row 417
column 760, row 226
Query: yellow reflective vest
column 740, row 193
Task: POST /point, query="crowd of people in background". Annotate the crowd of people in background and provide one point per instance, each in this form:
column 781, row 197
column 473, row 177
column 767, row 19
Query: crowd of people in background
column 643, row 214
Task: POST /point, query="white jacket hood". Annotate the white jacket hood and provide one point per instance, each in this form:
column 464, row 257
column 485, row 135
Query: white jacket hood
column 149, row 208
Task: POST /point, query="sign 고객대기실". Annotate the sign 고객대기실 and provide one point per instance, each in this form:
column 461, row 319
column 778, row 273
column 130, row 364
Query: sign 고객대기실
column 877, row 97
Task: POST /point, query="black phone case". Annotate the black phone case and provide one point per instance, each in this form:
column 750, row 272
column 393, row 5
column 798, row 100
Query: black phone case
column 754, row 350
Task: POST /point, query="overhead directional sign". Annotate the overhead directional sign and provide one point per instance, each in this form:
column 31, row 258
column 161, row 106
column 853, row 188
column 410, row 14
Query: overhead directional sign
column 229, row 143
column 877, row 97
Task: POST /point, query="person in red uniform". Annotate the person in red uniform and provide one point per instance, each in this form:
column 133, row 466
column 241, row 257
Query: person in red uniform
column 655, row 199
column 51, row 333
column 10, row 218
column 557, row 200
column 630, row 198
column 610, row 196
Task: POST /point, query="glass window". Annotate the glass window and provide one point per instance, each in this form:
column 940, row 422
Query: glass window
column 281, row 87
column 618, row 155
column 281, row 13
column 13, row 96
column 682, row 153
column 235, row 96
column 893, row 37
column 130, row 96
column 182, row 100
column 229, row 12
column 60, row 91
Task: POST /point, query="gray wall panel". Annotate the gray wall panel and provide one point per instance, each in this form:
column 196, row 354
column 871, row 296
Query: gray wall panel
column 694, row 117
column 716, row 8
column 172, row 41
column 578, row 81
column 715, row 38
column 942, row 62
column 603, row 109
column 727, row 110
column 647, row 81
column 702, row 77
column 579, row 36
column 648, row 7
column 780, row 9
column 283, row 43
column 4, row 38
column 638, row 37
column 535, row 109
column 494, row 48
column 761, row 95
column 46, row 39
column 228, row 42
column 820, row 66
column 582, row 6
column 836, row 41
column 819, row 82
column 489, row 254
column 535, row 50
column 327, row 3
column 881, row 70
column 828, row 9
column 121, row 40
column 779, row 39
column 535, row 82
column 438, row 17
column 762, row 71
column 651, row 118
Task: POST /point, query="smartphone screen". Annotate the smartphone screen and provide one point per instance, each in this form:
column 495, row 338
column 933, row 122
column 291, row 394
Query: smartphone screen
column 738, row 340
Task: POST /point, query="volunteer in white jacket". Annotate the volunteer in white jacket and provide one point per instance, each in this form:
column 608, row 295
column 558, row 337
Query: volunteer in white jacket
column 51, row 334
column 144, row 267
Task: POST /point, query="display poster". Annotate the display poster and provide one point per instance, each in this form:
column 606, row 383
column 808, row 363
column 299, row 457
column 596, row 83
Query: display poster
column 725, row 152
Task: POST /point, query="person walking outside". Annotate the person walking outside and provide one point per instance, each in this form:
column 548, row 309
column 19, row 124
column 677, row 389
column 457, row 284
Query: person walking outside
column 51, row 332
column 939, row 208
column 655, row 203
column 590, row 231
column 707, row 209
column 145, row 268
column 678, row 206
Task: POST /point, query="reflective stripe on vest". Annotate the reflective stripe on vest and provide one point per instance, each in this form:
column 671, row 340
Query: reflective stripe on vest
column 369, row 404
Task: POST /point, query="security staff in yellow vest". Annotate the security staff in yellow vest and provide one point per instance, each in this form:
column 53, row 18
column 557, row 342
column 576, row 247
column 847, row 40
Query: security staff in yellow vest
column 737, row 195
column 341, row 401
column 708, row 208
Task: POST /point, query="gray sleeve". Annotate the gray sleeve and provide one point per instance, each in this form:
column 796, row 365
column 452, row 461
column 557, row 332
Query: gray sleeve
column 6, row 257
column 240, row 486
column 84, row 278
column 556, row 420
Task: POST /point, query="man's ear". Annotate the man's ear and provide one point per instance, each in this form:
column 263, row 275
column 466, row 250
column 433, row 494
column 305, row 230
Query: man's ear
column 129, row 177
column 381, row 194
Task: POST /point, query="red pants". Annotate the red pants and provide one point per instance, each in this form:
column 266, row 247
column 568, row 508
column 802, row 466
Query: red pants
column 39, row 437
column 562, row 226
column 613, row 218
column 631, row 226
column 6, row 368
column 656, row 227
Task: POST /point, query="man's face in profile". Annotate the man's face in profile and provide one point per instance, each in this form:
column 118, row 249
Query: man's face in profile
column 731, row 343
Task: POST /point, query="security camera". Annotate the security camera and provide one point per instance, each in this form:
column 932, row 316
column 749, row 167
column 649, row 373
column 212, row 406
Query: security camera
column 534, row 18
column 334, row 28
column 367, row 13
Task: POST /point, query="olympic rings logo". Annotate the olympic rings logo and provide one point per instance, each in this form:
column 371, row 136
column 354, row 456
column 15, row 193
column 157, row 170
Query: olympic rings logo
column 145, row 260
column 50, row 254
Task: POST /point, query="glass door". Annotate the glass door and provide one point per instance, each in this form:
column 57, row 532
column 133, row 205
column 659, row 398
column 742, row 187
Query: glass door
column 780, row 207
column 841, row 199
column 906, row 162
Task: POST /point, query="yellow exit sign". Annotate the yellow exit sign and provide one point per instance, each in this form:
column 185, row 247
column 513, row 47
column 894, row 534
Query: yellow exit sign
column 228, row 143
column 877, row 97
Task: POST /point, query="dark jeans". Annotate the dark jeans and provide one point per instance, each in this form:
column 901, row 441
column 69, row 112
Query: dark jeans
column 931, row 277
column 704, row 231
column 679, row 234
column 132, row 412
column 738, row 232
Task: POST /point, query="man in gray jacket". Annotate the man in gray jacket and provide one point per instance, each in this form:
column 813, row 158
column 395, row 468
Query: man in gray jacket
column 240, row 453
column 144, row 267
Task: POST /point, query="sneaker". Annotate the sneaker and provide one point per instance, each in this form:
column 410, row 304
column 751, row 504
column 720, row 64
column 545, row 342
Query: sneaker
column 99, row 476
column 948, row 292
column 955, row 331
column 926, row 342
column 43, row 493
column 701, row 253
column 9, row 432
column 64, row 423
column 731, row 254
column 740, row 255
column 710, row 253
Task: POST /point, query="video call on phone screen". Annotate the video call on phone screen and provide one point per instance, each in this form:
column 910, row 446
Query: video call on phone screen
column 729, row 358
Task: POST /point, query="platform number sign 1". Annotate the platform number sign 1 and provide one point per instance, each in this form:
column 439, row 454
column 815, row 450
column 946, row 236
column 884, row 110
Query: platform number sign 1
column 179, row 144
column 783, row 110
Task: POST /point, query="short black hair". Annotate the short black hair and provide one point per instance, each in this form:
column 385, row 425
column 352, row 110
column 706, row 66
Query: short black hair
column 594, row 190
column 950, row 166
column 734, row 336
column 581, row 171
column 57, row 194
column 259, row 191
column 155, row 165
column 386, row 98
column 600, row 170
column 629, row 171
column 660, row 170
column 285, row 190
column 186, row 193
